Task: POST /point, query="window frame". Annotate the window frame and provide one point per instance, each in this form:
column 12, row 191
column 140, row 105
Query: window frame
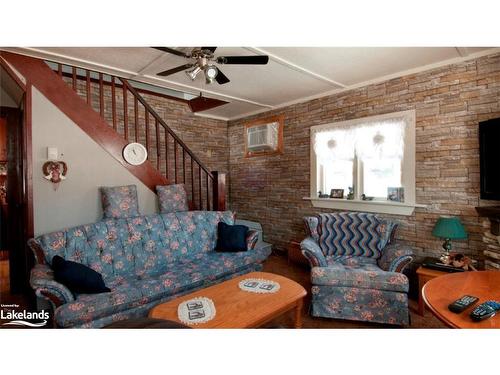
column 378, row 205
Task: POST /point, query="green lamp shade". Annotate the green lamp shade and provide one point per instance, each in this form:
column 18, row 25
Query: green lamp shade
column 449, row 227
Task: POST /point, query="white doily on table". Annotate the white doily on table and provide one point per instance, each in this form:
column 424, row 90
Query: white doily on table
column 196, row 311
column 259, row 286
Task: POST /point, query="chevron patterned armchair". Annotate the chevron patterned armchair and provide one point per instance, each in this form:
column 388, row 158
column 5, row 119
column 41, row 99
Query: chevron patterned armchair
column 356, row 268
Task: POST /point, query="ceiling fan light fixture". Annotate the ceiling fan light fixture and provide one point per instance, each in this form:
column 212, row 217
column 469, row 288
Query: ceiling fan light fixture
column 211, row 72
column 192, row 73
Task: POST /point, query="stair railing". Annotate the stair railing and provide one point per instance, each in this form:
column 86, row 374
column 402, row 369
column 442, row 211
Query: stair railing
column 126, row 110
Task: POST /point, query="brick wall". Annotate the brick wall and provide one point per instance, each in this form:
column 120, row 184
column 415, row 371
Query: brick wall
column 449, row 102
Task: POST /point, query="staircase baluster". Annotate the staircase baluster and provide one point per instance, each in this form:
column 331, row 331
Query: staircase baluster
column 199, row 187
column 158, row 148
column 59, row 70
column 147, row 131
column 175, row 160
column 101, row 96
column 125, row 112
column 113, row 101
column 192, row 182
column 208, row 194
column 73, row 70
column 136, row 120
column 184, row 166
column 87, row 88
column 166, row 153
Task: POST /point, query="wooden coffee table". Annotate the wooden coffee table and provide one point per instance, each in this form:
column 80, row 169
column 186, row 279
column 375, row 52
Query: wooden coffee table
column 236, row 308
column 438, row 293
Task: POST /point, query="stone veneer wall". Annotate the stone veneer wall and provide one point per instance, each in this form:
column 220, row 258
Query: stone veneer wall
column 449, row 102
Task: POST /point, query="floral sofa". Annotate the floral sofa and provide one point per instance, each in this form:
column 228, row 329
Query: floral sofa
column 356, row 268
column 144, row 260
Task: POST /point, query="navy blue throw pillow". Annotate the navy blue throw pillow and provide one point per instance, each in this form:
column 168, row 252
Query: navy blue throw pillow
column 231, row 238
column 78, row 277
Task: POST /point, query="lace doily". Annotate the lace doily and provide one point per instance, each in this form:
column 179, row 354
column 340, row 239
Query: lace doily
column 259, row 286
column 196, row 311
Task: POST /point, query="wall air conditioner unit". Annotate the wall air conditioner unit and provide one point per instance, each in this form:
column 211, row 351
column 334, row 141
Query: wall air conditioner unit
column 263, row 137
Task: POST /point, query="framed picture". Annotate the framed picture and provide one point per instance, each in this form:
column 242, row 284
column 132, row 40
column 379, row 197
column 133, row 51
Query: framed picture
column 396, row 194
column 337, row 193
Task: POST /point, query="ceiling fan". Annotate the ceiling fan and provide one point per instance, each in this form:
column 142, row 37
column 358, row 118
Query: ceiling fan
column 204, row 60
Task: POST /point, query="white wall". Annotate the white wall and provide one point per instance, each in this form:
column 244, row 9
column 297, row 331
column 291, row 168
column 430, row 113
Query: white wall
column 77, row 200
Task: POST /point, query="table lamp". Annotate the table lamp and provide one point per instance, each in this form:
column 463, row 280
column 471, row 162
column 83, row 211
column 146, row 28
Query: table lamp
column 449, row 228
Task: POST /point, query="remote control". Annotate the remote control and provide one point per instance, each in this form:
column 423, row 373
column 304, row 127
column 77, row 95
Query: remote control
column 484, row 311
column 462, row 303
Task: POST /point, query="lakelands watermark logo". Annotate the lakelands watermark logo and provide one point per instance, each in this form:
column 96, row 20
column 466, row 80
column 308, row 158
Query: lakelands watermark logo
column 20, row 318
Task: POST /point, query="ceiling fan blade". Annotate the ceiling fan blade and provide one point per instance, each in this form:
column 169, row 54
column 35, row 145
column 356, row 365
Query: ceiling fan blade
column 202, row 103
column 174, row 70
column 221, row 78
column 258, row 60
column 211, row 49
column 172, row 51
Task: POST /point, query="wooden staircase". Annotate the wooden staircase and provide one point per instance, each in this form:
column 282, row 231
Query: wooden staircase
column 115, row 114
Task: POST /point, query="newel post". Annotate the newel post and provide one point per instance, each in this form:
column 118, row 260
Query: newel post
column 219, row 191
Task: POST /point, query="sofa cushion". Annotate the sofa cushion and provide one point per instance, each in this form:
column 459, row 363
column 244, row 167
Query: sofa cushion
column 231, row 238
column 179, row 277
column 350, row 233
column 358, row 272
column 172, row 198
column 119, row 201
column 78, row 277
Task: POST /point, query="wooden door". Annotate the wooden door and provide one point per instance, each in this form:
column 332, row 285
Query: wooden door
column 15, row 236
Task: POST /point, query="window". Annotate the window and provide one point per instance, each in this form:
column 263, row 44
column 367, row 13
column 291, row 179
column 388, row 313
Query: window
column 373, row 157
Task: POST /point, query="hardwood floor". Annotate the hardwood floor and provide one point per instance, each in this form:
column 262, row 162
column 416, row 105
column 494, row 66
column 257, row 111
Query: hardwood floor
column 279, row 264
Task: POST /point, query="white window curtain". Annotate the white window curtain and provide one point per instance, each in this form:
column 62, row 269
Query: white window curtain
column 373, row 140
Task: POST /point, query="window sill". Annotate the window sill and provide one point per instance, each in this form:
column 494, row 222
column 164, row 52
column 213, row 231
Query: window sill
column 383, row 207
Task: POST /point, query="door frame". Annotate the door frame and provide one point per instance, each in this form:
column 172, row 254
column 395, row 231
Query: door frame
column 27, row 159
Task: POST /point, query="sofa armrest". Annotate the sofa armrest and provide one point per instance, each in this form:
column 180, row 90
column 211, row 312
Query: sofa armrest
column 252, row 237
column 395, row 257
column 313, row 253
column 42, row 281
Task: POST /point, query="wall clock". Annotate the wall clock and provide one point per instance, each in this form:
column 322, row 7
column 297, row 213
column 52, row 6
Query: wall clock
column 135, row 153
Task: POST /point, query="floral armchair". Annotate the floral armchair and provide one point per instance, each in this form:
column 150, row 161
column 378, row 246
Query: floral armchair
column 356, row 268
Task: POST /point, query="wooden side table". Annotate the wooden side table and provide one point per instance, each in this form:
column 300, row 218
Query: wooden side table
column 424, row 275
column 295, row 254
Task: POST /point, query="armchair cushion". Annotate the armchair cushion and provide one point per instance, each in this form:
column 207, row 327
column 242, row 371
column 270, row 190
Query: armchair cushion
column 358, row 273
column 395, row 257
column 42, row 279
column 351, row 233
column 313, row 253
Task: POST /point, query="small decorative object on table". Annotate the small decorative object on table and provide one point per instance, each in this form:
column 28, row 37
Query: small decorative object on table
column 337, row 193
column 396, row 194
column 449, row 228
column 350, row 196
column 459, row 261
column 321, row 195
column 196, row 311
column 259, row 286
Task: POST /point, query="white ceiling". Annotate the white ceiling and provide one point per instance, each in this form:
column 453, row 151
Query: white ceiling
column 293, row 74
